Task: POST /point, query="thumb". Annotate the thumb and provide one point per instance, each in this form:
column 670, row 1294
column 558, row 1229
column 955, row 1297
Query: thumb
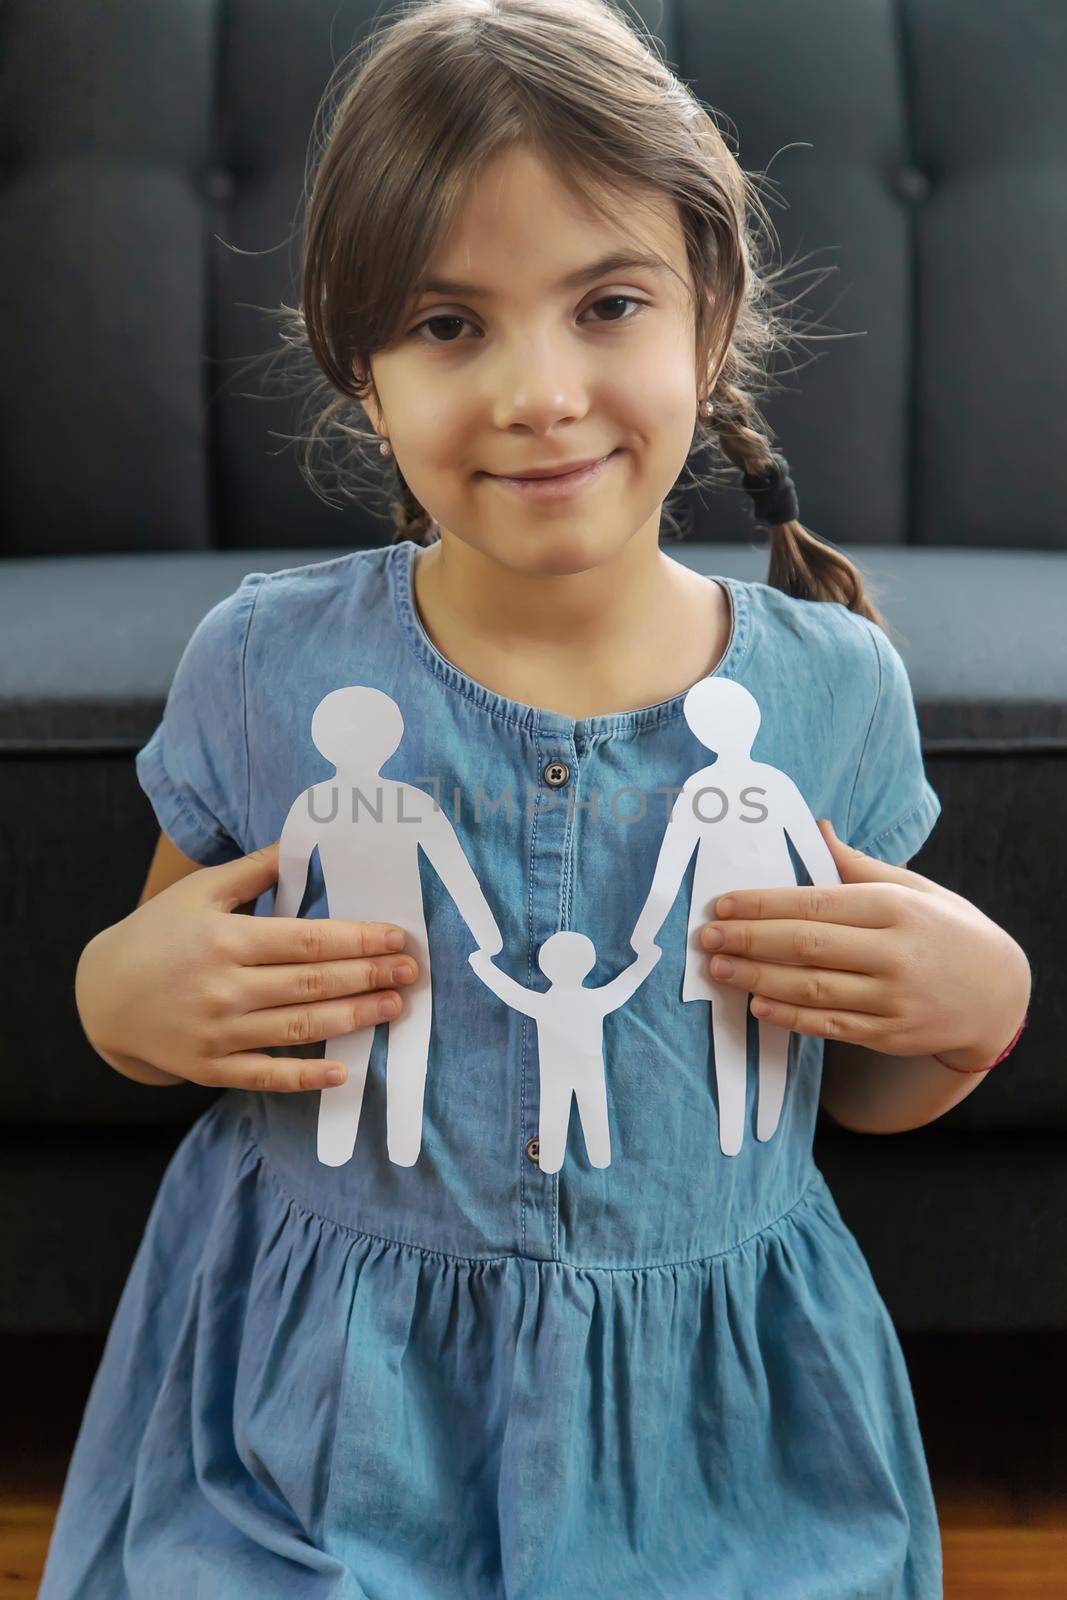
column 854, row 866
column 236, row 883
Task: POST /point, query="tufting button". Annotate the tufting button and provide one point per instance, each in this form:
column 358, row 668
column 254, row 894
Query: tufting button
column 911, row 183
column 220, row 185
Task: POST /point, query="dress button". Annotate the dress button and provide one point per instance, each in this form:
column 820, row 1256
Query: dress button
column 533, row 1149
column 557, row 773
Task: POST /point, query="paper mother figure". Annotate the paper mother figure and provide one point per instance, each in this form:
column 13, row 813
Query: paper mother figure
column 370, row 869
column 735, row 813
column 570, row 1037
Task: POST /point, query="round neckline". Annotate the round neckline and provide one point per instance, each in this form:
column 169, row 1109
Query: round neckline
column 539, row 719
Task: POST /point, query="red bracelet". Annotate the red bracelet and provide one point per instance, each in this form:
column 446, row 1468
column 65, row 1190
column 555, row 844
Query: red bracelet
column 1000, row 1058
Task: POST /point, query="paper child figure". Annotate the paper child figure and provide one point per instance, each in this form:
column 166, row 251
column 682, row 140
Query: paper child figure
column 735, row 813
column 367, row 829
column 570, row 1037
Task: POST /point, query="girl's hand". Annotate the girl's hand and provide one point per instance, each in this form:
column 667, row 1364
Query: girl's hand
column 886, row 959
column 196, row 992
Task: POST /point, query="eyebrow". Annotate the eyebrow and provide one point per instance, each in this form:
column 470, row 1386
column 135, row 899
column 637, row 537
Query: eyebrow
column 617, row 261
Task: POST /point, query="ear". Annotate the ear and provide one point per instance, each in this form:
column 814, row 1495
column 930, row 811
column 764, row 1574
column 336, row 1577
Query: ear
column 371, row 409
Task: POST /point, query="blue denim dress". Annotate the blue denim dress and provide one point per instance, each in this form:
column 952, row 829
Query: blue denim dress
column 468, row 1378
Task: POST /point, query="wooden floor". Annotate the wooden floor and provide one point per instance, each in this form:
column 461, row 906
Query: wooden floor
column 993, row 1410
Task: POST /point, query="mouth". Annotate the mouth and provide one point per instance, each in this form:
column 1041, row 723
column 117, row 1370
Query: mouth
column 557, row 488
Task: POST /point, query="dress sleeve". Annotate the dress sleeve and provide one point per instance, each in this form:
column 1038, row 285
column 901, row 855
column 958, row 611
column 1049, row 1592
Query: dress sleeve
column 194, row 768
column 894, row 806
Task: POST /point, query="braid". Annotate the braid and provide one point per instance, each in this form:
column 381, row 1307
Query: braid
column 801, row 564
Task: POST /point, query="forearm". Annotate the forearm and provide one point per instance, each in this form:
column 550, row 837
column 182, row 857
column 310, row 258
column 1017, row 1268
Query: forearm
column 87, row 973
column 877, row 1093
column 874, row 1093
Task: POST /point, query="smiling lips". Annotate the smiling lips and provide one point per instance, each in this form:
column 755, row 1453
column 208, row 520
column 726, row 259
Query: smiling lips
column 560, row 484
column 550, row 472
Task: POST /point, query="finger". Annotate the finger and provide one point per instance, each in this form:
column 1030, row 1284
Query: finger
column 854, row 1027
column 282, row 1026
column 306, row 982
column 270, row 941
column 809, row 944
column 805, row 987
column 852, row 905
column 272, row 1074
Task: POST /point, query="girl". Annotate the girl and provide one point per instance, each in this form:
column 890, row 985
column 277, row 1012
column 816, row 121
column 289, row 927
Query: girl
column 469, row 1377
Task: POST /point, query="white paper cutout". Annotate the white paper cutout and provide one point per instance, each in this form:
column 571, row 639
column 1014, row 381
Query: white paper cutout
column 570, row 1037
column 368, row 829
column 735, row 850
column 370, row 870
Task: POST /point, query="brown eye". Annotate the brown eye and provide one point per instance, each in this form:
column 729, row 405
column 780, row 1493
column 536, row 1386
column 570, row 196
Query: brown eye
column 618, row 299
column 429, row 321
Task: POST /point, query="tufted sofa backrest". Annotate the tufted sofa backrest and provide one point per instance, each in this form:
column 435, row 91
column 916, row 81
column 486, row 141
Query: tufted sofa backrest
column 156, row 158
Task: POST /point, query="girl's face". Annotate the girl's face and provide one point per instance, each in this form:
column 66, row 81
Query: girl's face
column 518, row 370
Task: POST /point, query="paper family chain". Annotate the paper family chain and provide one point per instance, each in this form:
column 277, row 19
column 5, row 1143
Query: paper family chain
column 375, row 878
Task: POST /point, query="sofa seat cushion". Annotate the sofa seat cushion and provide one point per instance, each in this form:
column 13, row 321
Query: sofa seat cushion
column 91, row 644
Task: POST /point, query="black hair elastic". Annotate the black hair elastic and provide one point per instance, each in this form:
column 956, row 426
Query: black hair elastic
column 773, row 493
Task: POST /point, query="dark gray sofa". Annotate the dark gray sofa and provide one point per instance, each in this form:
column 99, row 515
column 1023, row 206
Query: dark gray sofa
column 921, row 149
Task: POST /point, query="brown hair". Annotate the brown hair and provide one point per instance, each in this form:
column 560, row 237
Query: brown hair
column 438, row 89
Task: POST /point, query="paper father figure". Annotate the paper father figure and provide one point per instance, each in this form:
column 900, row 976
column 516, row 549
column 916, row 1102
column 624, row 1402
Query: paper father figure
column 735, row 813
column 570, row 1037
column 367, row 829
